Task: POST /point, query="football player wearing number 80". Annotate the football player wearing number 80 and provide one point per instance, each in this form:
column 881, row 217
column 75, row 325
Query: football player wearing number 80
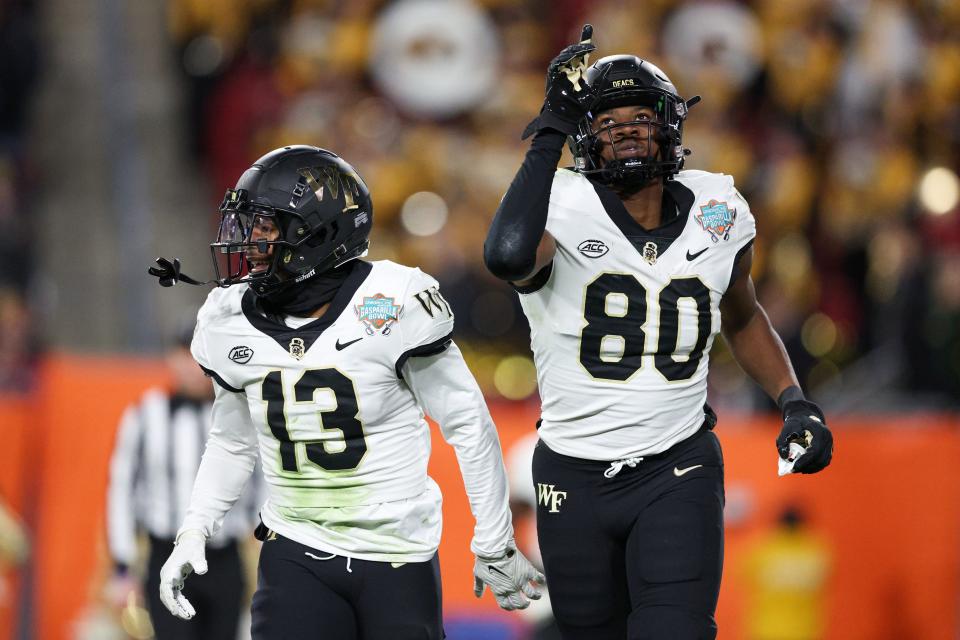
column 325, row 364
column 627, row 267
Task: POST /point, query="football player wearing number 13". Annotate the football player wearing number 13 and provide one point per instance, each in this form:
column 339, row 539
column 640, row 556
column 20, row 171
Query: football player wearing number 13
column 327, row 363
column 627, row 267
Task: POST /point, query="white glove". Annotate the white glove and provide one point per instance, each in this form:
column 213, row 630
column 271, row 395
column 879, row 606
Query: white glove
column 188, row 555
column 510, row 576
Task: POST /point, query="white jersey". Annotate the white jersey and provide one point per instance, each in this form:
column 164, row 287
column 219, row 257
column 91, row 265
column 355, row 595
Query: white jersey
column 343, row 442
column 622, row 326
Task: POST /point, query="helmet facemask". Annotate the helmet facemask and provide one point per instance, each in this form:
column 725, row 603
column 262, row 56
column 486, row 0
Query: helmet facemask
column 663, row 131
column 250, row 245
column 627, row 81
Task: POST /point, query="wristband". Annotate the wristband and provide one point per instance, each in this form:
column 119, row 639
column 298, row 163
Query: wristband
column 790, row 394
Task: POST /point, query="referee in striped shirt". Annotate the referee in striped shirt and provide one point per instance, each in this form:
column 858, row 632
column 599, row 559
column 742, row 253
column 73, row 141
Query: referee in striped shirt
column 155, row 459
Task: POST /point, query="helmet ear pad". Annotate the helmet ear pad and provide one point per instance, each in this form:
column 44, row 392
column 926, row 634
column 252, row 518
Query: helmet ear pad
column 302, row 249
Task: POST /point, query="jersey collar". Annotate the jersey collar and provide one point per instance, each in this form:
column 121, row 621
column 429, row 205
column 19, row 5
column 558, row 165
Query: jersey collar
column 677, row 202
column 312, row 330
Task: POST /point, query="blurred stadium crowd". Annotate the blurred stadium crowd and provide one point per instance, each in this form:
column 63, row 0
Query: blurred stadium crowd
column 839, row 119
column 19, row 69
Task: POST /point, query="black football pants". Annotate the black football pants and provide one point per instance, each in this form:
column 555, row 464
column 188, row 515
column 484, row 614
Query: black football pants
column 306, row 594
column 217, row 595
column 638, row 555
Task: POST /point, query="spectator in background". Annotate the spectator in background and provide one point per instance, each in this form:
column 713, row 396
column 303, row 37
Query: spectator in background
column 18, row 348
column 19, row 72
column 19, row 68
column 786, row 573
column 155, row 460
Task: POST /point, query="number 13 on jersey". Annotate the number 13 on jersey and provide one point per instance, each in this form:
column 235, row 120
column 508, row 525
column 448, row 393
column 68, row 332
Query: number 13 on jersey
column 343, row 418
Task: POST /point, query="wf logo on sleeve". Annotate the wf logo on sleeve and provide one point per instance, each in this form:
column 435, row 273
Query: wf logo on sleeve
column 549, row 497
column 431, row 300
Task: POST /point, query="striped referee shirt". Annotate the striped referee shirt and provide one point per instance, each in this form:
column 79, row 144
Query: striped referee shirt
column 155, row 460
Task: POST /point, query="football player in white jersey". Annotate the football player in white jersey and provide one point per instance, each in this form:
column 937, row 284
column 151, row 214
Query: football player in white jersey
column 325, row 364
column 627, row 268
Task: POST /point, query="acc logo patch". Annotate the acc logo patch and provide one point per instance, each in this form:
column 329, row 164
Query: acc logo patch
column 717, row 219
column 593, row 248
column 241, row 354
column 378, row 312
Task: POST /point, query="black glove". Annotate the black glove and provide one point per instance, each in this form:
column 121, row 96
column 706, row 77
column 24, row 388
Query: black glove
column 803, row 423
column 568, row 97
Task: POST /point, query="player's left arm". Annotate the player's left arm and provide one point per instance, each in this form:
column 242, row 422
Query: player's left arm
column 448, row 392
column 761, row 354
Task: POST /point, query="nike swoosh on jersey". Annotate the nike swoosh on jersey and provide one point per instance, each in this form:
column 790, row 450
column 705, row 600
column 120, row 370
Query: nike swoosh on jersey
column 693, row 256
column 343, row 345
column 679, row 472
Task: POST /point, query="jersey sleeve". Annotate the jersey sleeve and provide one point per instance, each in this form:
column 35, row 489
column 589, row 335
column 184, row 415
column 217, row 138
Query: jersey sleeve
column 426, row 320
column 227, row 464
column 207, row 319
column 745, row 226
column 561, row 189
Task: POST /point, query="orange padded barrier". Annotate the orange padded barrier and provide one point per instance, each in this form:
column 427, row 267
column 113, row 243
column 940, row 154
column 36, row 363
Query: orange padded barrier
column 889, row 506
column 77, row 408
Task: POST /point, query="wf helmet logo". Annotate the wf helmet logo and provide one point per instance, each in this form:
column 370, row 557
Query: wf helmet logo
column 328, row 179
column 549, row 497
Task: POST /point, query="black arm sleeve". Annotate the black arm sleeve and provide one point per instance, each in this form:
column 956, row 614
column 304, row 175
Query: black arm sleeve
column 510, row 251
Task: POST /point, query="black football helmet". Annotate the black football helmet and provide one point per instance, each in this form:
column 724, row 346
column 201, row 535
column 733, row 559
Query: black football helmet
column 297, row 212
column 626, row 80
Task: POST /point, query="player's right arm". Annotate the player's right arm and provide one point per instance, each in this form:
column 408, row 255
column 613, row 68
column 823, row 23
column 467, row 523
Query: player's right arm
column 227, row 464
column 517, row 245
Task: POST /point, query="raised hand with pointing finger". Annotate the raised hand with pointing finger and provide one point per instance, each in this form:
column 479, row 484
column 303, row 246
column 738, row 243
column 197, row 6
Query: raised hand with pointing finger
column 568, row 96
